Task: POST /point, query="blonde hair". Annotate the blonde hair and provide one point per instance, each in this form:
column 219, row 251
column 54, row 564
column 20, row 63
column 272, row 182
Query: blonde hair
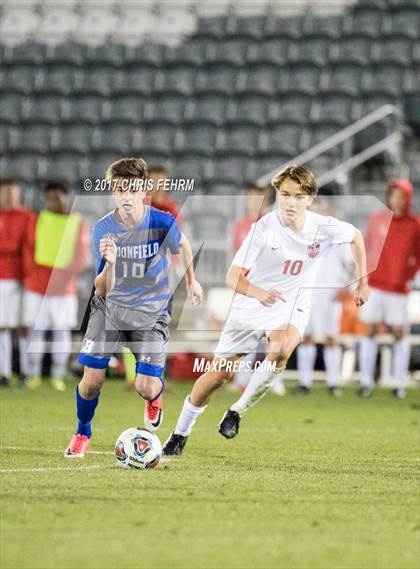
column 299, row 174
column 127, row 168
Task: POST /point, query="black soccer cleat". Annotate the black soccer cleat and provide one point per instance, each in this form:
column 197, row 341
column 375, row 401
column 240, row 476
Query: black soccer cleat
column 302, row 390
column 229, row 425
column 174, row 445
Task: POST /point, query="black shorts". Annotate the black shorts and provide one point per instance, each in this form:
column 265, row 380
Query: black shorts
column 112, row 326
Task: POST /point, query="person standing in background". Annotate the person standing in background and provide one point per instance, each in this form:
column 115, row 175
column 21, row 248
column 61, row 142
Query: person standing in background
column 13, row 223
column 389, row 283
column 57, row 251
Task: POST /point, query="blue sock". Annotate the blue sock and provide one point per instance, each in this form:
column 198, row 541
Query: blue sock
column 85, row 412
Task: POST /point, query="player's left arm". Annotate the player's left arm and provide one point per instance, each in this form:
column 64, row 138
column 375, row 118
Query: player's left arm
column 194, row 290
column 361, row 292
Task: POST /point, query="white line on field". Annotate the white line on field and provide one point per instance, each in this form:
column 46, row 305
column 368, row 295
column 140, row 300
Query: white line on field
column 52, row 468
column 100, row 452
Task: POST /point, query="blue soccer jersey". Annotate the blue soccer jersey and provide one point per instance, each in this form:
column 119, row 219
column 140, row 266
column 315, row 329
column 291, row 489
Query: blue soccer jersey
column 141, row 271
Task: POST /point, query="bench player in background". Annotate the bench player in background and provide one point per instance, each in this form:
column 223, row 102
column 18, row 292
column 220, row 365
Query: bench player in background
column 272, row 273
column 14, row 220
column 130, row 305
column 398, row 264
column 334, row 273
column 56, row 251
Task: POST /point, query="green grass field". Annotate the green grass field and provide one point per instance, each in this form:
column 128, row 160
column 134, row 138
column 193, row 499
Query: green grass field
column 310, row 482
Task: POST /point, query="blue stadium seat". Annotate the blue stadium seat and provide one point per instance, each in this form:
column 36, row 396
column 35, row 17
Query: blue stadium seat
column 98, row 162
column 395, row 49
column 97, row 79
column 313, row 50
column 364, row 19
column 112, row 137
column 249, row 27
column 86, row 108
column 356, row 49
column 303, row 78
column 240, row 139
column 12, row 108
column 383, row 78
column 22, row 79
column 192, row 166
column 274, row 50
column 211, row 108
column 373, row 102
column 6, row 135
column 156, row 138
column 404, row 21
column 285, row 27
column 370, row 136
column 35, row 137
column 267, row 162
column 178, row 79
column 192, row 53
column 199, row 138
column 60, row 79
column 65, row 166
column 230, row 168
column 325, row 25
column 147, row 54
column 169, row 108
column 345, row 78
column 320, row 133
column 291, row 107
column 45, row 109
column 69, row 53
column 221, row 79
column 284, row 138
column 321, row 164
column 23, row 167
column 135, row 79
column 108, row 54
column 28, row 53
column 231, row 51
column 214, row 27
column 76, row 138
column 251, row 109
column 335, row 109
column 259, row 79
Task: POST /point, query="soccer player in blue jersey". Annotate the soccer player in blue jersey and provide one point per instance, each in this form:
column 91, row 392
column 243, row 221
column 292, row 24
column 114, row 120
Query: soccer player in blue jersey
column 130, row 305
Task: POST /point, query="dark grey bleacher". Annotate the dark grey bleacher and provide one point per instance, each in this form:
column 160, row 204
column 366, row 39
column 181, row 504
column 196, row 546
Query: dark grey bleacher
column 232, row 102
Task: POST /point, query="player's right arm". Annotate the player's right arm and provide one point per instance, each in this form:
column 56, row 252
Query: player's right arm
column 105, row 280
column 236, row 279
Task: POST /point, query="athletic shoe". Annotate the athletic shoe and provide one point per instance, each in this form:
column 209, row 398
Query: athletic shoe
column 58, row 384
column 4, row 381
column 302, row 390
column 335, row 391
column 77, row 447
column 399, row 393
column 365, row 392
column 229, row 425
column 33, row 383
column 153, row 413
column 174, row 445
column 279, row 389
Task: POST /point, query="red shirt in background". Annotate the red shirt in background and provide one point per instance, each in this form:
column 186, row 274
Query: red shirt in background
column 171, row 207
column 13, row 227
column 400, row 257
column 241, row 230
column 50, row 281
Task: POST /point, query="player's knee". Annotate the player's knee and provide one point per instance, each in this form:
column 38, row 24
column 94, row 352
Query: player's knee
column 279, row 352
column 398, row 333
column 91, row 383
column 371, row 330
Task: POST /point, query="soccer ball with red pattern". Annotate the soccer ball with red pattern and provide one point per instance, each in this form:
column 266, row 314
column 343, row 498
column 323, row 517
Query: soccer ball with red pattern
column 138, row 448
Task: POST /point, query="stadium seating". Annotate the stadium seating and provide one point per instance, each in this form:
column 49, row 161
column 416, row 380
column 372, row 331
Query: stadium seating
column 233, row 95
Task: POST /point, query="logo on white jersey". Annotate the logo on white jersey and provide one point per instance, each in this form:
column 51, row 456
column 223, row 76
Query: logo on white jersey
column 314, row 249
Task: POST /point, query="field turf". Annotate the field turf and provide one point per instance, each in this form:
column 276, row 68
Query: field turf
column 310, row 482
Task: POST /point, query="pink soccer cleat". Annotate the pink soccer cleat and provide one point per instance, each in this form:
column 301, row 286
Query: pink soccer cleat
column 77, row 447
column 153, row 414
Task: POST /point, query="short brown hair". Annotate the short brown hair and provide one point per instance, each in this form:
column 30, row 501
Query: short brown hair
column 300, row 174
column 127, row 168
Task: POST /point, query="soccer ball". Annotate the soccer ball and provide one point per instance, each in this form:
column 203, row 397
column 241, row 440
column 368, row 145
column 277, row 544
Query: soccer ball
column 138, row 448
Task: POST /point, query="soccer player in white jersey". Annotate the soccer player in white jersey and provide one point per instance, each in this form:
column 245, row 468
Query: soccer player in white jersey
column 272, row 274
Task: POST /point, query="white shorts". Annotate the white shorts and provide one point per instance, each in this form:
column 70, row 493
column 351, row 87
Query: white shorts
column 244, row 330
column 388, row 307
column 49, row 312
column 325, row 316
column 10, row 303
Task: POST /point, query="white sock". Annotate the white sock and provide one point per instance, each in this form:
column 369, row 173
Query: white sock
column 368, row 350
column 332, row 361
column 35, row 357
column 278, row 382
column 243, row 375
column 261, row 381
column 306, row 354
column 187, row 418
column 401, row 360
column 60, row 352
column 23, row 355
column 6, row 353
